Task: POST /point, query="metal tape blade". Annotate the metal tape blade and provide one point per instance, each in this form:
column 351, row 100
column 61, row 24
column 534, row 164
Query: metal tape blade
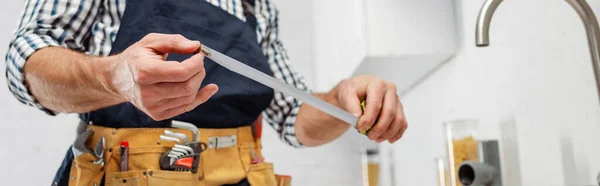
column 258, row 76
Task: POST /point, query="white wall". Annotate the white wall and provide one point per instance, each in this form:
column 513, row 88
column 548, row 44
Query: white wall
column 537, row 69
column 407, row 40
column 409, row 27
column 296, row 28
column 339, row 40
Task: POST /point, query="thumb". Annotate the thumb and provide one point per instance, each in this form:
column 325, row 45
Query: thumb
column 171, row 43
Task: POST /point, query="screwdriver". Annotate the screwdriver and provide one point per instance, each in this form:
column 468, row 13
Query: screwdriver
column 124, row 156
column 255, row 158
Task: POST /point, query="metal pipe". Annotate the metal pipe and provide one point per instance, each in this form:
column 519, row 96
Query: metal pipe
column 482, row 36
column 581, row 7
column 471, row 173
column 485, row 172
column 593, row 34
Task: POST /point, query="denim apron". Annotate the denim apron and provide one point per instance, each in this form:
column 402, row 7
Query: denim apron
column 239, row 100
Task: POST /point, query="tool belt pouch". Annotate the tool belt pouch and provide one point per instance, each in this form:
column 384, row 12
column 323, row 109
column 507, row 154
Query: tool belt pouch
column 220, row 165
column 85, row 172
column 144, row 169
column 150, row 178
column 144, row 166
column 260, row 173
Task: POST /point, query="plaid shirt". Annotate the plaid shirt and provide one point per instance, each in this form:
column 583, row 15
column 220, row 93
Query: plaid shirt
column 90, row 26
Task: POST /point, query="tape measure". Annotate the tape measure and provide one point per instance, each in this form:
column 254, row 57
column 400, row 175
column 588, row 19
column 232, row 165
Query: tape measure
column 362, row 105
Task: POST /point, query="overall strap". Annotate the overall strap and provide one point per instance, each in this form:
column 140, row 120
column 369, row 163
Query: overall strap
column 249, row 12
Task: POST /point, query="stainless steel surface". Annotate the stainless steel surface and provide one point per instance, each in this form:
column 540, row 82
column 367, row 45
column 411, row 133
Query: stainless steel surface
column 222, row 142
column 185, row 148
column 277, row 85
column 99, row 151
column 593, row 34
column 99, row 148
column 174, row 154
column 79, row 147
column 175, row 149
column 482, row 30
column 188, row 126
column 166, row 138
column 179, row 151
column 177, row 135
column 582, row 8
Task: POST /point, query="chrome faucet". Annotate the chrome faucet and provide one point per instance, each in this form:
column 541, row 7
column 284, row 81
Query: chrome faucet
column 581, row 7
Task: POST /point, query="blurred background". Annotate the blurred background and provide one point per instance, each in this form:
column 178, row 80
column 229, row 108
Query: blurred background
column 532, row 90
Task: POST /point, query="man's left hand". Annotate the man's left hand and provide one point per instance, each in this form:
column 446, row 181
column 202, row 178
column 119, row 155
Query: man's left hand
column 383, row 115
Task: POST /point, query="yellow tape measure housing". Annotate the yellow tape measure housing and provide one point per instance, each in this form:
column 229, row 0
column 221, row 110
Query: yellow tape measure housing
column 362, row 105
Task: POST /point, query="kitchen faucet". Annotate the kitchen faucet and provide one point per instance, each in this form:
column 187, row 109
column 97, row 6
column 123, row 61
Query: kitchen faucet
column 482, row 32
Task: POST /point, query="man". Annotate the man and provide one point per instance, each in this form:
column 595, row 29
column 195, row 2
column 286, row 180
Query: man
column 130, row 68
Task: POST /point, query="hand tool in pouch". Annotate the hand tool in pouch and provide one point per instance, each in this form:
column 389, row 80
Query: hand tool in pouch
column 182, row 156
column 99, row 151
column 79, row 147
column 254, row 158
column 258, row 76
column 124, row 156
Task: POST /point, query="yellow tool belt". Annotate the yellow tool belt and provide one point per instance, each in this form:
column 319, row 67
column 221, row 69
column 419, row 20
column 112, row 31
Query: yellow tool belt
column 217, row 166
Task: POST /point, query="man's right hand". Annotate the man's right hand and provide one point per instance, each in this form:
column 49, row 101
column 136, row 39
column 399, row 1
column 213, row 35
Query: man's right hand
column 162, row 89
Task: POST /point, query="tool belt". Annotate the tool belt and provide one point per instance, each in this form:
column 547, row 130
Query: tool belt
column 226, row 159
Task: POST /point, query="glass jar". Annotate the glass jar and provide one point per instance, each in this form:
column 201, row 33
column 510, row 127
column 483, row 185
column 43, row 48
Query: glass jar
column 443, row 178
column 461, row 144
column 373, row 167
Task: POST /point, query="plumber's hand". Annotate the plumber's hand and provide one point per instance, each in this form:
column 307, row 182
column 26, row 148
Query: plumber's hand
column 383, row 112
column 162, row 89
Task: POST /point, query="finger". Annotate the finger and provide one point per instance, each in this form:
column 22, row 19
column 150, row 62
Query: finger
column 385, row 128
column 403, row 125
column 168, row 103
column 174, row 90
column 350, row 101
column 156, row 71
column 375, row 94
column 393, row 129
column 170, row 43
column 202, row 96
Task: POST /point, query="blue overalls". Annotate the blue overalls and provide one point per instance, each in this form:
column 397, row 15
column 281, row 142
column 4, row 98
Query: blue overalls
column 239, row 100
